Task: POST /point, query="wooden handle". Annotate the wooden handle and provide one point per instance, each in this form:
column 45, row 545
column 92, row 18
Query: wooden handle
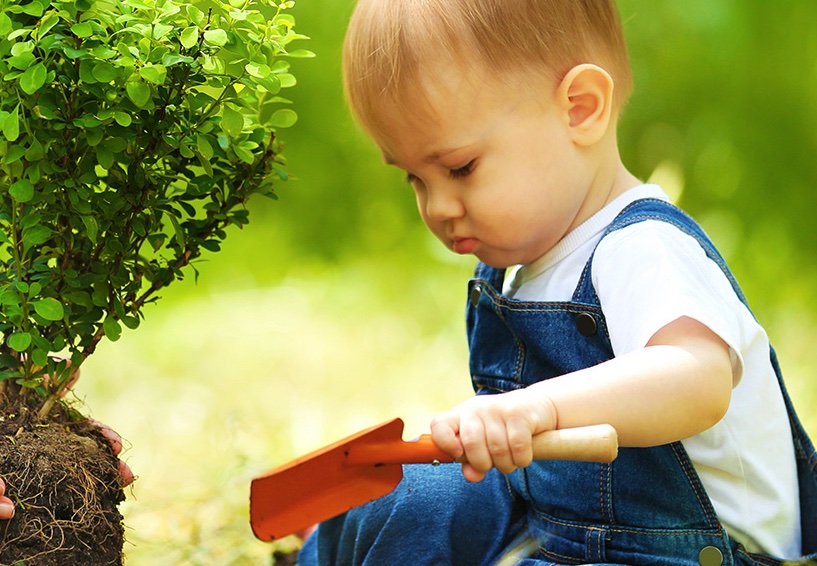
column 594, row 443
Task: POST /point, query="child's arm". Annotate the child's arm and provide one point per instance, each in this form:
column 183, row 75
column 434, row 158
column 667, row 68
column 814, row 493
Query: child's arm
column 677, row 386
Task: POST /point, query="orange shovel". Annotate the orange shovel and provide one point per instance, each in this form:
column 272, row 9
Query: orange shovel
column 368, row 465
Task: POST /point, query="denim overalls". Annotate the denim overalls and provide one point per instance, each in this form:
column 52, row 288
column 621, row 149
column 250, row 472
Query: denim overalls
column 647, row 508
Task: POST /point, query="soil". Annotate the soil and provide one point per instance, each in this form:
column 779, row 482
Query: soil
column 65, row 482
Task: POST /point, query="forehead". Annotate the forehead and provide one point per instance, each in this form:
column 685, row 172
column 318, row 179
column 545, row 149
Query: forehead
column 449, row 108
column 445, row 96
column 438, row 104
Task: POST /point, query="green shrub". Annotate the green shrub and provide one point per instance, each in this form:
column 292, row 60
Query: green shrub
column 132, row 134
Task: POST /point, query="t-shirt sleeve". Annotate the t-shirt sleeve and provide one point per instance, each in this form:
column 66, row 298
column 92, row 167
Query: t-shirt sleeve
column 650, row 274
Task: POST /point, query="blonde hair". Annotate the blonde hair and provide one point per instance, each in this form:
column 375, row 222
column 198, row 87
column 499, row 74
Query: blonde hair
column 388, row 41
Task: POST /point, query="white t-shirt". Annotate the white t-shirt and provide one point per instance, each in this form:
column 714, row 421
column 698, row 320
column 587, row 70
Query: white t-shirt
column 648, row 275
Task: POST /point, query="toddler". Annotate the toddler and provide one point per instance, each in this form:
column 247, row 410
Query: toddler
column 595, row 300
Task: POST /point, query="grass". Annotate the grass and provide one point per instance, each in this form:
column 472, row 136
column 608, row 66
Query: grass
column 221, row 385
column 224, row 382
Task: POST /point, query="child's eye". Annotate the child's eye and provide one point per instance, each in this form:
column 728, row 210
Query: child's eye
column 463, row 171
column 411, row 179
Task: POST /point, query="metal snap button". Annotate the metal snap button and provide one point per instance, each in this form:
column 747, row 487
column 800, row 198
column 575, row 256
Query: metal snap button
column 476, row 292
column 586, row 324
column 710, row 556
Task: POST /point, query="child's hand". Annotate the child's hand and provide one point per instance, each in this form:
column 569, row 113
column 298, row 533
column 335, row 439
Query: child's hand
column 494, row 430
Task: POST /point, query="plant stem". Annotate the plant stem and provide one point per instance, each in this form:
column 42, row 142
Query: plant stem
column 46, row 407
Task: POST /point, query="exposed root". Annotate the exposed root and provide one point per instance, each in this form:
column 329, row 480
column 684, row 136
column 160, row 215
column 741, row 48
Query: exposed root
column 66, row 492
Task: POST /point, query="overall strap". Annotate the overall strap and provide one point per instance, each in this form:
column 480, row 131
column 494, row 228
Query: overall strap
column 495, row 277
column 657, row 209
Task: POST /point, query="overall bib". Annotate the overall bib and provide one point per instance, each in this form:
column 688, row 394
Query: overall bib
column 646, row 508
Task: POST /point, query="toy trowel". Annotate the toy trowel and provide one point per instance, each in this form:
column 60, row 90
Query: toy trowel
column 368, row 465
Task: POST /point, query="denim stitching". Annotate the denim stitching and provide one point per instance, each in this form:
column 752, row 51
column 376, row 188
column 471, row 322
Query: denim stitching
column 694, row 482
column 556, row 556
column 645, row 531
column 767, row 561
column 496, row 300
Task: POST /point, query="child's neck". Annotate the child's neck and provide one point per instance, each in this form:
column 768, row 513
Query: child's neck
column 611, row 178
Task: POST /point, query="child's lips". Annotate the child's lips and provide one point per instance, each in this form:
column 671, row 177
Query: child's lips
column 464, row 245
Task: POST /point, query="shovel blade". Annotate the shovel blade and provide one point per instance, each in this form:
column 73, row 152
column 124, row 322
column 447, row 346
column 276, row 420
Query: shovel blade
column 322, row 484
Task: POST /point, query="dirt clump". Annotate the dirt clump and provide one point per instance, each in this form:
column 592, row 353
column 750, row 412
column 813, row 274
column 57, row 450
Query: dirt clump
column 64, row 480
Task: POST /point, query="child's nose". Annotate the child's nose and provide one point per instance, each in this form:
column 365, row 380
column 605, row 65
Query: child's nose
column 443, row 203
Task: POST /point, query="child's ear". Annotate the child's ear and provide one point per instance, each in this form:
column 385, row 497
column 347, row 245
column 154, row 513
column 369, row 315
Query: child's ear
column 586, row 94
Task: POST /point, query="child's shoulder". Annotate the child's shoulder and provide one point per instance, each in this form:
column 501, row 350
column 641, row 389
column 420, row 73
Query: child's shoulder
column 651, row 242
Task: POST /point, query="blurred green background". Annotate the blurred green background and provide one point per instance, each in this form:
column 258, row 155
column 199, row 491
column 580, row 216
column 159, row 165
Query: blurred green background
column 334, row 310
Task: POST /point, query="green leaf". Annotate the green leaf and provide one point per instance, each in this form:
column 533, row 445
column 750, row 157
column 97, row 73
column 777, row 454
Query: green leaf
column 161, row 30
column 153, row 74
column 19, row 341
column 177, row 230
column 39, row 357
column 139, row 93
column 14, row 153
column 205, row 164
column 49, row 21
column 111, row 329
column 189, row 37
column 169, row 59
column 91, row 227
column 35, row 9
column 36, row 235
column 258, row 71
column 11, row 125
column 122, row 118
column 33, row 78
column 283, row 118
column 82, row 29
column 104, row 72
column 5, row 24
column 10, row 296
column 244, row 154
column 22, row 190
column 104, row 157
column 49, row 309
column 35, row 151
column 217, row 37
column 300, row 54
column 232, row 122
column 72, row 53
column 156, row 241
column 204, row 146
column 271, row 83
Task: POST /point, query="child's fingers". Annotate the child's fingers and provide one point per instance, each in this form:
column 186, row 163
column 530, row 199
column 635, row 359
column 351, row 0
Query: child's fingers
column 6, row 508
column 496, row 439
column 110, row 434
column 474, row 439
column 6, row 504
column 471, row 474
column 126, row 474
column 444, row 430
column 519, row 442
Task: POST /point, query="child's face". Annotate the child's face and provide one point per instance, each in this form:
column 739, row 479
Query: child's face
column 494, row 169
